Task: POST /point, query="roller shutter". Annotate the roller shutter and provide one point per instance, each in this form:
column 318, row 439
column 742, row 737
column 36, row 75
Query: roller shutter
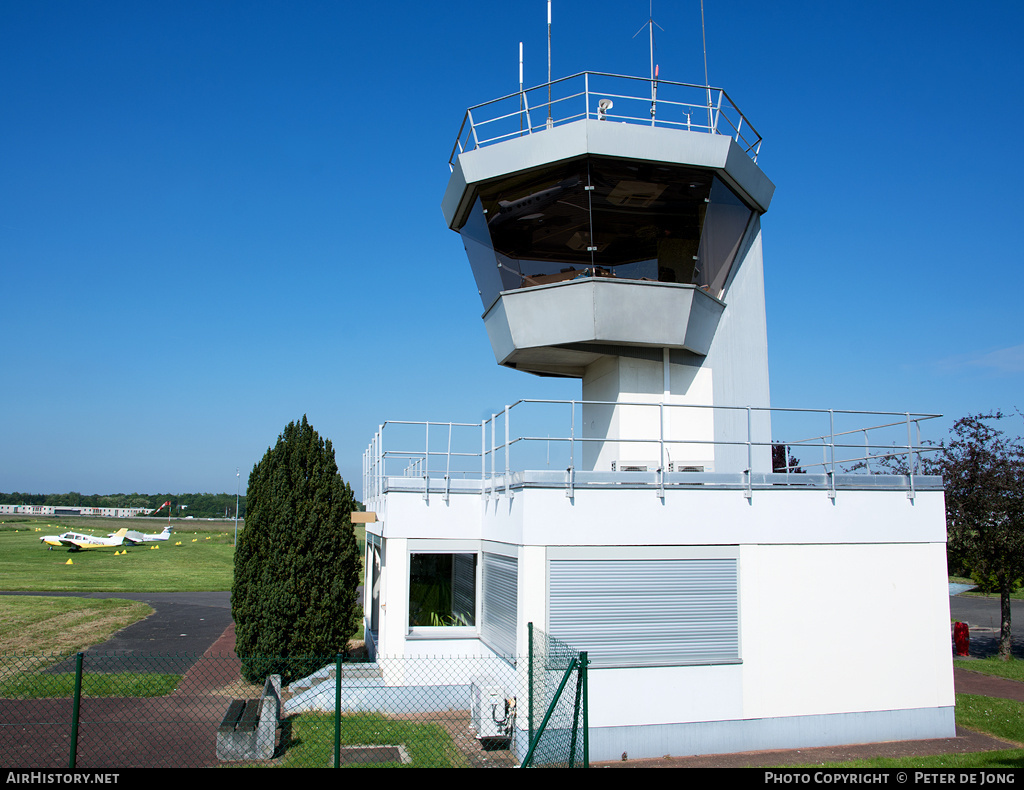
column 647, row 612
column 464, row 588
column 500, row 604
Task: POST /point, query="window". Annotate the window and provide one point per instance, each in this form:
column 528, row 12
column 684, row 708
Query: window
column 442, row 590
column 605, row 217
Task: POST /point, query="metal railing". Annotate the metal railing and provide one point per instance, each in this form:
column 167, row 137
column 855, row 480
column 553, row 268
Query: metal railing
column 606, row 97
column 736, row 445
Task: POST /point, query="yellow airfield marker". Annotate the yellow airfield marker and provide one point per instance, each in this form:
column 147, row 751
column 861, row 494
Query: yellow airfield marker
column 69, row 562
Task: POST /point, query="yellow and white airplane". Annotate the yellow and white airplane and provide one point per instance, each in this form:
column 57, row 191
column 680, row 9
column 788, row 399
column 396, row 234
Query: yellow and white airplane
column 76, row 541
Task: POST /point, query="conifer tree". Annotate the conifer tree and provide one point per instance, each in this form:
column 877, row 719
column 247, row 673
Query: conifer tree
column 294, row 597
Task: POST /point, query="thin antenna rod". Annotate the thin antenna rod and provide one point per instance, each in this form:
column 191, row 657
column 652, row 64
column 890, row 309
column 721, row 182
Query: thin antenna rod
column 650, row 23
column 549, row 64
column 520, row 86
column 704, row 42
column 707, row 82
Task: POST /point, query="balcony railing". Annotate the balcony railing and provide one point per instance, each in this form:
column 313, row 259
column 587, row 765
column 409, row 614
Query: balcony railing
column 607, row 97
column 545, row 443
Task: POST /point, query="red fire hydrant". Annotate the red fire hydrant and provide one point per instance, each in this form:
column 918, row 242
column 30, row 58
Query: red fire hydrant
column 962, row 638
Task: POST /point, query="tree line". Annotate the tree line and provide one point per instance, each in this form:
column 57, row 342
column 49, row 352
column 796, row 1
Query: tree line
column 195, row 505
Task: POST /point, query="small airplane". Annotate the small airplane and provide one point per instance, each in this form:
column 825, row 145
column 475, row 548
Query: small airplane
column 76, row 541
column 134, row 537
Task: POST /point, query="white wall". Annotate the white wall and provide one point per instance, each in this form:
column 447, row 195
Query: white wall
column 707, row 516
column 625, row 380
column 844, row 628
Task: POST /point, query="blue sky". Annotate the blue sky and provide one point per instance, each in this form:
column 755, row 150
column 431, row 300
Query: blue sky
column 216, row 217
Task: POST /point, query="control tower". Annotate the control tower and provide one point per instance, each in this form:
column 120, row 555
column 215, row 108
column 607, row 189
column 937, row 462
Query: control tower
column 613, row 227
column 615, row 237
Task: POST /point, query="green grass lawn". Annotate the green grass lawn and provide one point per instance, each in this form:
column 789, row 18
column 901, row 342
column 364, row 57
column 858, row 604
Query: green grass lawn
column 34, row 625
column 198, row 557
column 192, row 560
column 32, row 685
column 1012, row 669
column 1017, row 593
column 311, row 740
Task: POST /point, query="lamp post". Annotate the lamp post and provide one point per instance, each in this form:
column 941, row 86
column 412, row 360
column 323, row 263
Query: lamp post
column 237, row 482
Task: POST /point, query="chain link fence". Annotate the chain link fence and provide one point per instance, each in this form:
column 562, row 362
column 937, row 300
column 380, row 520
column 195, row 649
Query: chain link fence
column 90, row 711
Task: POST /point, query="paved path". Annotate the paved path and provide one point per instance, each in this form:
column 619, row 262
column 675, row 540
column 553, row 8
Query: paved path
column 182, row 623
column 189, row 634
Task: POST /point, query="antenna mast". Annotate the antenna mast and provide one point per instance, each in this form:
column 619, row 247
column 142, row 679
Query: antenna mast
column 707, row 82
column 704, row 42
column 520, row 86
column 650, row 23
column 549, row 64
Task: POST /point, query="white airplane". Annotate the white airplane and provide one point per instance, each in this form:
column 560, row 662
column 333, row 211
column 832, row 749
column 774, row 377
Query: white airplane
column 133, row 537
column 76, row 541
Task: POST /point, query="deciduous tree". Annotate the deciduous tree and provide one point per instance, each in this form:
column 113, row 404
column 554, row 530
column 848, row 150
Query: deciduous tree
column 783, row 460
column 294, row 597
column 983, row 472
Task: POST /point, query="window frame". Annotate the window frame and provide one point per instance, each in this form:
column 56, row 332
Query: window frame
column 444, row 631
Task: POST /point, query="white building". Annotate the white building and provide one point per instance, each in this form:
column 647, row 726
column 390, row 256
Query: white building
column 73, row 510
column 725, row 605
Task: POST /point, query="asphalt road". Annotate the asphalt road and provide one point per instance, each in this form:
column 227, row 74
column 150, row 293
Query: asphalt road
column 984, row 612
column 982, row 615
column 187, row 622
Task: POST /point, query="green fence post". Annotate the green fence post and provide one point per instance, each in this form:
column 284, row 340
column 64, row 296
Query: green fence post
column 547, row 716
column 75, row 707
column 337, row 711
column 573, row 737
column 529, row 673
column 586, row 710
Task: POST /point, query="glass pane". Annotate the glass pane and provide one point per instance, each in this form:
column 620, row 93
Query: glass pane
column 647, row 218
column 724, row 228
column 442, row 590
column 540, row 223
column 481, row 256
column 598, row 217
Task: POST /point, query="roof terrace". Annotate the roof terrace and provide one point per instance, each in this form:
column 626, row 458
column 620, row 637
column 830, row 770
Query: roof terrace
column 606, row 97
column 544, row 443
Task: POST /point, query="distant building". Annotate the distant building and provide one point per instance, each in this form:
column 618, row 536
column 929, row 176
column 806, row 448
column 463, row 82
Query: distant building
column 67, row 510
